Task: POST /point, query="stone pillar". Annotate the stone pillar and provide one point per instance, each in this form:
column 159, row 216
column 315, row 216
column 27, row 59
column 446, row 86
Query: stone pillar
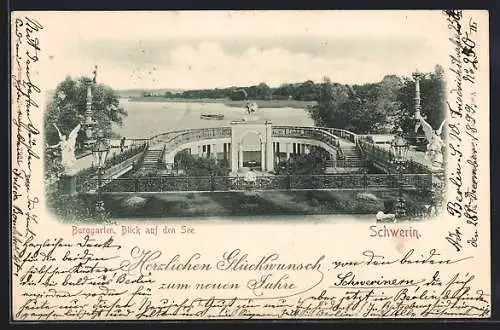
column 200, row 151
column 288, row 147
column 234, row 157
column 269, row 148
column 213, row 150
column 240, row 155
column 262, row 155
column 417, row 75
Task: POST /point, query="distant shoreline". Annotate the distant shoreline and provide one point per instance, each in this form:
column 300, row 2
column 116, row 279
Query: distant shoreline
column 229, row 103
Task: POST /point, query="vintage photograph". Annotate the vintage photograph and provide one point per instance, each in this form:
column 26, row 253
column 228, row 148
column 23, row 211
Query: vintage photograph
column 202, row 165
column 246, row 123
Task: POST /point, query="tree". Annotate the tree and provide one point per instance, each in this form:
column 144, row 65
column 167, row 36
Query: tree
column 307, row 91
column 366, row 108
column 263, row 91
column 68, row 105
column 66, row 109
column 284, row 92
column 432, row 95
column 238, row 95
column 331, row 100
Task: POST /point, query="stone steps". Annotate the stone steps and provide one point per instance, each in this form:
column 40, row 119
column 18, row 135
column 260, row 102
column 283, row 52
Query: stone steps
column 351, row 152
column 151, row 159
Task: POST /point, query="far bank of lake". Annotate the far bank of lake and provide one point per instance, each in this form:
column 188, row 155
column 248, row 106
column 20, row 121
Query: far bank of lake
column 229, row 103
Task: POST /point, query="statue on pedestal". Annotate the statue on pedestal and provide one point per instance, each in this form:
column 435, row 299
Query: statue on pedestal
column 251, row 107
column 435, row 143
column 67, row 147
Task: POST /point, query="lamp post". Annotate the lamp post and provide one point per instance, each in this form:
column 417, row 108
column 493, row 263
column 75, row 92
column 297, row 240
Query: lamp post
column 400, row 149
column 100, row 151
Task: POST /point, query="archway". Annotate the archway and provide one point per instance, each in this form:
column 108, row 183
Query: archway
column 251, row 151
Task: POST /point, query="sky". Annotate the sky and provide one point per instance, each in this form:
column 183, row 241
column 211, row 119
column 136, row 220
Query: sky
column 192, row 50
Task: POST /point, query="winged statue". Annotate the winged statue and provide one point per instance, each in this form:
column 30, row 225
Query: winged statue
column 435, row 143
column 251, row 107
column 67, row 146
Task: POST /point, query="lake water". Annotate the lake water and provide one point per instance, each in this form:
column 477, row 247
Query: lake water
column 146, row 119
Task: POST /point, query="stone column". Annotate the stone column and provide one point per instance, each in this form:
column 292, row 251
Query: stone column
column 262, row 155
column 240, row 155
column 200, row 151
column 234, row 157
column 288, row 147
column 269, row 148
column 214, row 151
column 417, row 75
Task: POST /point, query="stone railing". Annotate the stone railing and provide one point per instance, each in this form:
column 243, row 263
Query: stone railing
column 341, row 133
column 386, row 157
column 313, row 133
column 197, row 135
column 87, row 181
column 277, row 182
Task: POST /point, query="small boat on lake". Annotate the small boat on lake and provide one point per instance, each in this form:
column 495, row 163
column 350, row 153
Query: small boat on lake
column 217, row 116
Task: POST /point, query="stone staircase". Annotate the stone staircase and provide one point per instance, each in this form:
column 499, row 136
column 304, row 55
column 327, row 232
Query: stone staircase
column 352, row 160
column 351, row 153
column 151, row 158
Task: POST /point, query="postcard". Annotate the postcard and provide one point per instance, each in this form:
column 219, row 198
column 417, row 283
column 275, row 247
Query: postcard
column 211, row 165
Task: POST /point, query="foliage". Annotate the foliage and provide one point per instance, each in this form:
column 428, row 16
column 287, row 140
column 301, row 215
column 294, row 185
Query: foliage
column 305, row 91
column 66, row 109
column 199, row 166
column 380, row 107
column 238, row 95
column 66, row 207
column 68, row 105
column 359, row 108
column 432, row 94
column 312, row 163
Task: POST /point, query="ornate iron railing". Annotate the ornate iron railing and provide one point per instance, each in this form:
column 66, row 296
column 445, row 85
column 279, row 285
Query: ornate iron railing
column 196, row 135
column 277, row 182
column 345, row 163
column 314, row 133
